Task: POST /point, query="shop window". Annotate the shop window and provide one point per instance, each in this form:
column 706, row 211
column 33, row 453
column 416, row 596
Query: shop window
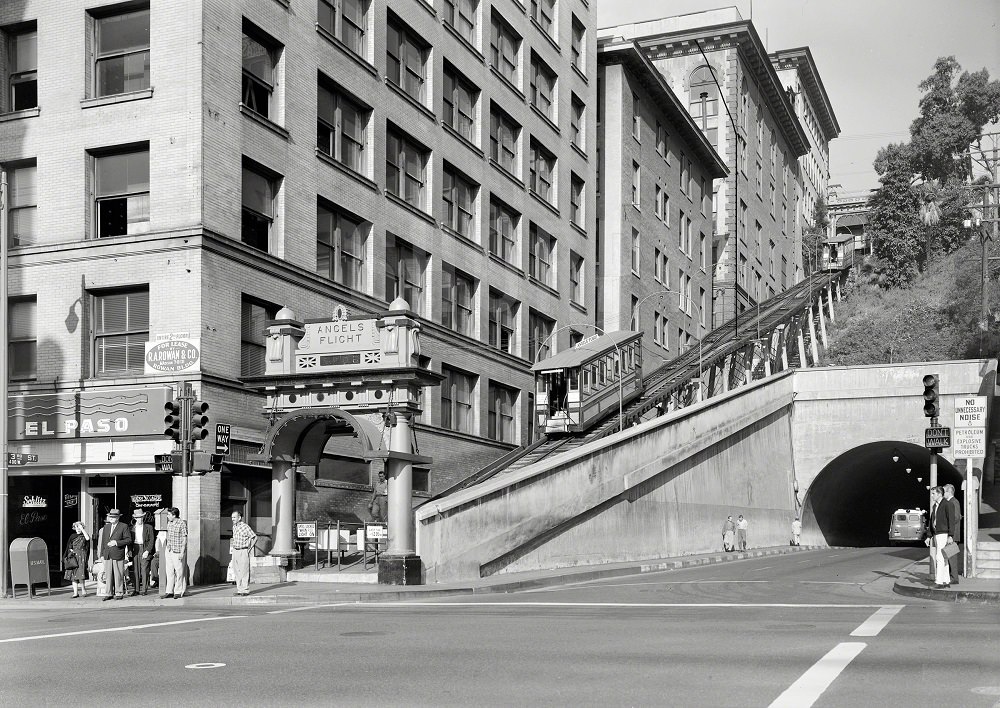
column 121, row 185
column 120, row 331
column 121, row 56
column 22, row 333
column 253, row 339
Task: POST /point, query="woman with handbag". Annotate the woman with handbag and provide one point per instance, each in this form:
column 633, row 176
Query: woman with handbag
column 75, row 560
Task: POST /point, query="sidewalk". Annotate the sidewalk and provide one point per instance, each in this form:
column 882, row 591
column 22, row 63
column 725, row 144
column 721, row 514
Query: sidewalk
column 915, row 580
column 311, row 593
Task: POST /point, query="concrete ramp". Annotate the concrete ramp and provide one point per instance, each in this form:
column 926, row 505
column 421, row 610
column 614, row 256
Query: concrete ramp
column 662, row 488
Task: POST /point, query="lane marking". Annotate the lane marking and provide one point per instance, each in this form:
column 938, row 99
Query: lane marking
column 208, row 665
column 874, row 624
column 637, row 605
column 811, row 685
column 831, row 582
column 311, row 607
column 588, row 586
column 119, row 629
column 807, row 560
column 766, row 567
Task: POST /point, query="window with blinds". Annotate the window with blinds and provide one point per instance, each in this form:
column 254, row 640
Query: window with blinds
column 253, row 340
column 22, row 334
column 121, row 330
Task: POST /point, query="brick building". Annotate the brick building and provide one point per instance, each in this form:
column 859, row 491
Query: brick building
column 191, row 166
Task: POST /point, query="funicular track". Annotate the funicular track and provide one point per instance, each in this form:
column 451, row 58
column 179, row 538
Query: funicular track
column 736, row 353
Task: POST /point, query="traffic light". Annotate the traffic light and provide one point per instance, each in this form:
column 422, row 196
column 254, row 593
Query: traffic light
column 931, row 407
column 199, row 421
column 172, row 420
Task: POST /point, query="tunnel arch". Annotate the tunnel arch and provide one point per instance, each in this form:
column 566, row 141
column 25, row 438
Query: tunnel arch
column 851, row 500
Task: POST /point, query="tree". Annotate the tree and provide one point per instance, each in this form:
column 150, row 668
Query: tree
column 893, row 222
column 813, row 235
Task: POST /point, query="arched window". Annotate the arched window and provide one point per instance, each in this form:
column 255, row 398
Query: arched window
column 704, row 102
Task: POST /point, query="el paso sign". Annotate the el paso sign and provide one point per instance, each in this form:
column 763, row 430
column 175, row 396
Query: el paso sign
column 87, row 414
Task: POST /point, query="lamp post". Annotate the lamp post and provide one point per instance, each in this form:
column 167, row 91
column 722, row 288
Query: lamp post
column 701, row 317
column 4, row 366
column 621, row 396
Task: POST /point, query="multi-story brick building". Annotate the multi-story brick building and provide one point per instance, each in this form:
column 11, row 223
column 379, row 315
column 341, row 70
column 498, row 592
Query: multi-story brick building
column 716, row 63
column 656, row 171
column 191, row 166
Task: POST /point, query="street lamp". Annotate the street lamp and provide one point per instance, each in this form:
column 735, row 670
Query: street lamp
column 701, row 319
column 621, row 396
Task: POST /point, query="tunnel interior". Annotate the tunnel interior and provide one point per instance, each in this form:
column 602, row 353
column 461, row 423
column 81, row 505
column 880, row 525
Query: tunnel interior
column 852, row 499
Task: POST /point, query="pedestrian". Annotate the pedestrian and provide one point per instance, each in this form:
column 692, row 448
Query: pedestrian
column 143, row 542
column 796, row 531
column 379, row 505
column 176, row 553
column 741, row 532
column 954, row 562
column 113, row 544
column 241, row 548
column 942, row 524
column 75, row 560
column 728, row 534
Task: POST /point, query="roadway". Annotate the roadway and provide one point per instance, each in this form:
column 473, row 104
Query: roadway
column 812, row 628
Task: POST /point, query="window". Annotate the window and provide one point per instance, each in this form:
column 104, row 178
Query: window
column 634, row 314
column 457, row 293
column 743, row 218
column 405, row 168
column 501, row 413
column 760, row 133
column 260, row 61
column 341, row 246
column 685, row 175
column 743, row 268
column 575, row 337
column 543, row 12
column 636, row 120
column 661, row 140
column 635, row 184
column 459, row 194
column 22, row 337
column 540, row 328
column 22, row 70
column 702, row 306
column 774, row 205
column 706, row 197
column 405, row 59
column 253, row 335
column 341, row 127
column 543, row 87
column 503, row 231
column 121, row 184
column 784, row 270
column 741, row 146
column 658, row 202
column 703, row 251
column 503, row 311
column 504, row 47
column 770, row 258
column 405, row 273
column 665, row 270
column 460, row 98
column 760, row 184
column 541, row 246
column 773, row 148
column 635, row 251
column 657, row 273
column 577, row 44
column 456, row 399
column 744, row 106
column 503, row 140
column 122, row 53
column 121, row 330
column 259, row 191
column 577, row 112
column 346, row 20
column 576, row 278
column 22, row 183
column 461, row 15
column 759, row 230
column 542, row 167
column 680, row 232
column 576, row 198
column 704, row 102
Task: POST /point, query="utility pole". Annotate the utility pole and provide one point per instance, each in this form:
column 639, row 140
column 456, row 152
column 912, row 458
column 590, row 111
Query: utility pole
column 4, row 369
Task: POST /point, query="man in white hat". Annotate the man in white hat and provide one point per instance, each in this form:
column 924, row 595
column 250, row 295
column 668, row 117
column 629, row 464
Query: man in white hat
column 114, row 541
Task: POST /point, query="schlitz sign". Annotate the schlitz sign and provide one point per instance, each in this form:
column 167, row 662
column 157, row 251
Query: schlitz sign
column 87, row 414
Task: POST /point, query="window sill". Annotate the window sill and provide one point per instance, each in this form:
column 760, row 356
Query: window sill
column 117, row 98
column 544, row 202
column 579, row 151
column 266, row 122
column 521, row 6
column 284, row 3
column 356, row 176
column 577, row 306
column 464, row 140
column 19, row 115
column 426, row 5
column 553, row 42
column 416, row 211
column 580, row 73
column 543, row 286
column 461, row 238
column 465, row 43
column 509, row 266
column 428, row 113
column 508, row 83
column 579, row 229
column 509, row 175
column 545, row 119
column 347, row 51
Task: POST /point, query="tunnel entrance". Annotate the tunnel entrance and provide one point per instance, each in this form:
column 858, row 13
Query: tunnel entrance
column 852, row 499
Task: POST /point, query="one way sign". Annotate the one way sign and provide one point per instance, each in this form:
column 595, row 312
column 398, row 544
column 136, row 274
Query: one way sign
column 222, row 433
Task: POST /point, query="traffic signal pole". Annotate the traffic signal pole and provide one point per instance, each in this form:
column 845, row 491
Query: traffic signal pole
column 185, row 398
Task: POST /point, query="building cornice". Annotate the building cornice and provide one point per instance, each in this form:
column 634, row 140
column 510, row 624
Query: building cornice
column 801, row 59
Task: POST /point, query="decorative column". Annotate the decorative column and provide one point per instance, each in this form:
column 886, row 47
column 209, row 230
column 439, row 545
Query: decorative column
column 282, row 507
column 400, row 474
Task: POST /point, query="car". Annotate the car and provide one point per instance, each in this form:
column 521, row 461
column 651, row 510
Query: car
column 907, row 526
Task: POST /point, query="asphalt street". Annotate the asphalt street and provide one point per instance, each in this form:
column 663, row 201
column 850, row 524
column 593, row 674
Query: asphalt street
column 813, row 628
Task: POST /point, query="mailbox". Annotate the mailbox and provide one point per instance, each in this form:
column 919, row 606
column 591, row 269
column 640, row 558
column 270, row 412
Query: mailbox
column 29, row 564
column 160, row 520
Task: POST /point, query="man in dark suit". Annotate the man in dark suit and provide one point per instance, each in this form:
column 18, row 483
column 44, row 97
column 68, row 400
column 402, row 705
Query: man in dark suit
column 143, row 543
column 114, row 541
column 954, row 563
column 943, row 524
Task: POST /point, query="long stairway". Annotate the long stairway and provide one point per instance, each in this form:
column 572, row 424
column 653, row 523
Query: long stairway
column 988, row 542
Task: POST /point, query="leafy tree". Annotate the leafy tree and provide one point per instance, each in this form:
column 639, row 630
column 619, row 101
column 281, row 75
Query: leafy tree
column 893, row 222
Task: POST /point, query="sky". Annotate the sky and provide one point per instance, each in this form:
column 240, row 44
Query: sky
column 871, row 54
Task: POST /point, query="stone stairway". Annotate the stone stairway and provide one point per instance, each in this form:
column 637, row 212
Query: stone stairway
column 988, row 559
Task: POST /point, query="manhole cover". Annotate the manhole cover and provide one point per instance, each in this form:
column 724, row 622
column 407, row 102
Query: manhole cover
column 363, row 634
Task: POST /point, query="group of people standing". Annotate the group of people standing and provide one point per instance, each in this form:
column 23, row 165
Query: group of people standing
column 734, row 534
column 945, row 530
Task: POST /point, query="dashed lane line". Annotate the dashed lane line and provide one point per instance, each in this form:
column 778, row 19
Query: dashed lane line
column 811, row 685
column 877, row 622
column 106, row 630
column 311, row 607
column 637, row 605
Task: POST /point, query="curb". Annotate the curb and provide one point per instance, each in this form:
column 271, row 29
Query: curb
column 360, row 597
column 981, row 597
